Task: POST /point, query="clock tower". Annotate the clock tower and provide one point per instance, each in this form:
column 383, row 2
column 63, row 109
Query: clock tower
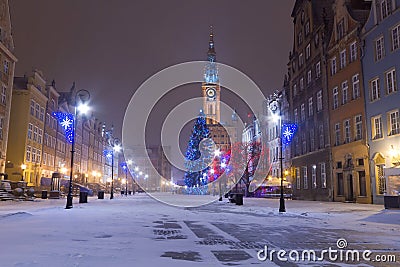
column 210, row 86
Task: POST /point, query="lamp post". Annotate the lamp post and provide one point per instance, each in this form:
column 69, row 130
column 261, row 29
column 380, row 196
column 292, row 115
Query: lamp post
column 276, row 109
column 124, row 166
column 115, row 147
column 84, row 96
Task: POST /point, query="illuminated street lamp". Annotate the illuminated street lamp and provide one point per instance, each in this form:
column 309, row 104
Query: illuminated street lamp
column 275, row 106
column 68, row 122
column 115, row 147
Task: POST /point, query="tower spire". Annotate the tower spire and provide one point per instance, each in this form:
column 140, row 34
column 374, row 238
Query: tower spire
column 211, row 71
column 211, row 55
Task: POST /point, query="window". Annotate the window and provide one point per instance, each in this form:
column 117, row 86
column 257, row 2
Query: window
column 294, row 89
column 28, row 153
column 41, row 117
column 346, row 126
column 333, row 66
column 312, row 141
column 337, row 134
column 32, row 107
column 307, row 27
column 6, row 66
column 377, row 127
column 310, row 107
column 296, row 116
column 386, row 8
column 374, row 89
column 356, row 86
column 40, row 136
column 35, row 133
column 340, row 184
column 318, row 70
column 302, row 112
column 44, row 158
column 358, row 127
column 37, row 110
column 345, row 90
column 335, row 98
column 30, row 130
column 353, row 51
column 33, row 154
column 342, row 59
column 319, row 100
column 308, row 77
column 308, row 51
column 321, row 136
column 396, row 37
column 301, row 84
column 38, row 156
column 298, row 181
column 360, row 162
column 394, row 123
column 304, row 143
column 340, row 29
column 305, row 178
column 323, row 175
column 301, row 60
column 3, row 94
column 300, row 38
column 391, row 81
column 48, row 119
column 314, row 176
column 379, row 48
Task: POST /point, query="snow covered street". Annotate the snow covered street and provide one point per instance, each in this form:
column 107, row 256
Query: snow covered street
column 140, row 231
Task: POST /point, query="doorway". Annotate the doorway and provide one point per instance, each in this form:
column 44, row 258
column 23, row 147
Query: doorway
column 350, row 195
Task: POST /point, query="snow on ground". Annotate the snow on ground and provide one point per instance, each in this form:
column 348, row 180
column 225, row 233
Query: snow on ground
column 140, row 231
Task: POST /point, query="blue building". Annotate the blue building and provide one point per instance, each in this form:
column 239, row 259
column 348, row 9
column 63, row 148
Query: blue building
column 381, row 63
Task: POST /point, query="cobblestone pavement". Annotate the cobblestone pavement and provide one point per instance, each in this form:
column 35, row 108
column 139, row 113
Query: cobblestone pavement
column 140, row 230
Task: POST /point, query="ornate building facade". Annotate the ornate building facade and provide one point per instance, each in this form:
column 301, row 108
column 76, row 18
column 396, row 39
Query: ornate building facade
column 308, row 100
column 351, row 179
column 7, row 66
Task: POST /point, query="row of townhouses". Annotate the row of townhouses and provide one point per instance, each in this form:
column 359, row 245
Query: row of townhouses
column 342, row 92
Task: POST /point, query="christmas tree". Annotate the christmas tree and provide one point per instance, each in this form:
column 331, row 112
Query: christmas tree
column 199, row 154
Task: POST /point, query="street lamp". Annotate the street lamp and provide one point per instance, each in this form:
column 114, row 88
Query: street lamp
column 125, row 168
column 23, row 168
column 83, row 108
column 276, row 109
column 115, row 147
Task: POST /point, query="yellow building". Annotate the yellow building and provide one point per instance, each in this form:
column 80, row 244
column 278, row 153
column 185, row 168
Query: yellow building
column 26, row 128
column 7, row 65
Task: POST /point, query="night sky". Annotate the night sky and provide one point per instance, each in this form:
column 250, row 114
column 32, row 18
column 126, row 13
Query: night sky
column 111, row 47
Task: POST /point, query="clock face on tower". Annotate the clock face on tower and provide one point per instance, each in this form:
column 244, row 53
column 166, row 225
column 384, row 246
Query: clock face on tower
column 210, row 92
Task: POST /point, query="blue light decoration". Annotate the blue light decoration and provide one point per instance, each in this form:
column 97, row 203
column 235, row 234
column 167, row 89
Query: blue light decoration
column 66, row 120
column 288, row 131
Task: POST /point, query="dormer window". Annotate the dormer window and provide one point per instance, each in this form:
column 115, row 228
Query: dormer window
column 340, row 29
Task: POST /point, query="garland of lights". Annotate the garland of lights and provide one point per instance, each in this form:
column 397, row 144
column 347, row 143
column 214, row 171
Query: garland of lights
column 66, row 120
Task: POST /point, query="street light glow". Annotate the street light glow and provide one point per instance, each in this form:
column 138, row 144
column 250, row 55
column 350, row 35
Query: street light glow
column 83, row 108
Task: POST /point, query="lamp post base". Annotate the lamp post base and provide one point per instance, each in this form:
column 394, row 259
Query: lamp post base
column 69, row 202
column 112, row 195
column 282, row 205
